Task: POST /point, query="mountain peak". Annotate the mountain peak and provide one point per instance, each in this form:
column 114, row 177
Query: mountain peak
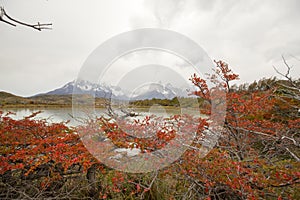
column 154, row 90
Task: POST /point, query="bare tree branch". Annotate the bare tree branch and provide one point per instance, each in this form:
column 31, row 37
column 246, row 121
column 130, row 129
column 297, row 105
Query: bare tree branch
column 294, row 155
column 287, row 75
column 37, row 26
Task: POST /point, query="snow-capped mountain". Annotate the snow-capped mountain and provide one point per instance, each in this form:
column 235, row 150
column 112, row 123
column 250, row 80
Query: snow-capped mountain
column 158, row 91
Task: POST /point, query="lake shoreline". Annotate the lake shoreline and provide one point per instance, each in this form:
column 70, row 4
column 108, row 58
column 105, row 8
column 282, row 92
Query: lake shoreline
column 33, row 106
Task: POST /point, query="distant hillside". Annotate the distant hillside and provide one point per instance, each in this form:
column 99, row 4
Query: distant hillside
column 7, row 95
column 52, row 99
column 63, row 99
column 175, row 102
column 10, row 100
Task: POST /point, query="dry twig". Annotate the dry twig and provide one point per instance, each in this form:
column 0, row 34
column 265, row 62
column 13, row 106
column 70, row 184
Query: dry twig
column 37, row 26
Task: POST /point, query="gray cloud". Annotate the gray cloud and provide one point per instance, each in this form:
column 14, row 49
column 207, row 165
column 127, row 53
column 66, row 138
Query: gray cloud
column 34, row 62
column 250, row 35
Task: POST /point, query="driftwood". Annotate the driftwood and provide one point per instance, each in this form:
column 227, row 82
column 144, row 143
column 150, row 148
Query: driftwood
column 111, row 113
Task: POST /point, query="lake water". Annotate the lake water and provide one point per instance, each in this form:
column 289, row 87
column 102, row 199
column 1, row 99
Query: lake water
column 51, row 114
column 65, row 114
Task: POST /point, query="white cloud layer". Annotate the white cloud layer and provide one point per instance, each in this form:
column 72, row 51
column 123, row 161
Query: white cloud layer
column 250, row 35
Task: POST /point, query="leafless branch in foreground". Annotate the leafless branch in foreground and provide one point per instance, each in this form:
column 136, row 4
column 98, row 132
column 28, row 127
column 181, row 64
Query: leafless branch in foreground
column 37, row 26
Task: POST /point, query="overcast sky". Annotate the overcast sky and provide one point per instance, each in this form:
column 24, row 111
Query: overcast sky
column 249, row 35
